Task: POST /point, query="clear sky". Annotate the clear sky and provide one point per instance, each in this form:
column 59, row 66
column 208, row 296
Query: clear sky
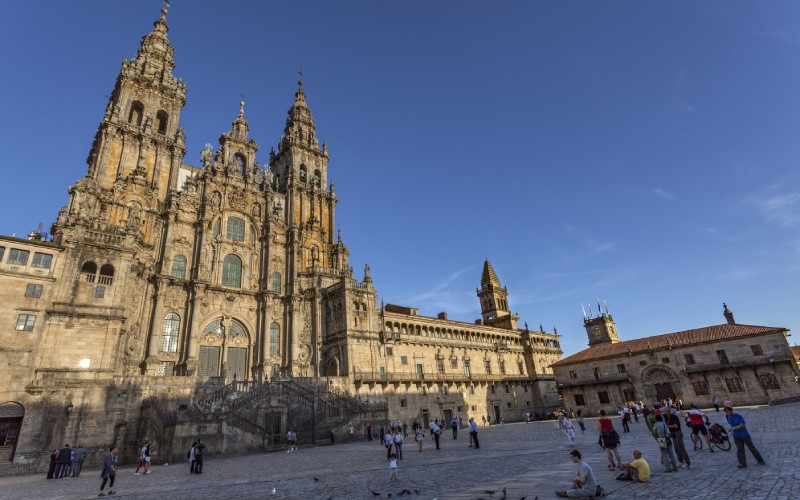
column 638, row 152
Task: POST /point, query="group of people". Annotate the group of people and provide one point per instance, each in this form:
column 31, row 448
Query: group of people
column 66, row 462
column 664, row 422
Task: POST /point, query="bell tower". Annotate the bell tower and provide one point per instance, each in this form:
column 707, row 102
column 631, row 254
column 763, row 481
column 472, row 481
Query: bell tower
column 602, row 329
column 494, row 300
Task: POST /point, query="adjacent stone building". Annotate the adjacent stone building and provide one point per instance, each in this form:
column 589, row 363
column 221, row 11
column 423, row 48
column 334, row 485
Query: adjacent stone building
column 747, row 364
column 165, row 282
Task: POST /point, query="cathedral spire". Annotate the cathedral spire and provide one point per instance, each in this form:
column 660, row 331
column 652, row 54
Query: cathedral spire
column 489, row 277
column 300, row 129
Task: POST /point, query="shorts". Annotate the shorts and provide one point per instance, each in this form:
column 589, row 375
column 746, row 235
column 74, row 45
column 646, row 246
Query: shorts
column 699, row 429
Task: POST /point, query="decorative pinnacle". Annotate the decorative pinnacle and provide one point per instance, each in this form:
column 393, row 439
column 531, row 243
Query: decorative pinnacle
column 164, row 9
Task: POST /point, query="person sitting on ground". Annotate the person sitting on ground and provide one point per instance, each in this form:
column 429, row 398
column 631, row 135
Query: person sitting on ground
column 638, row 470
column 584, row 482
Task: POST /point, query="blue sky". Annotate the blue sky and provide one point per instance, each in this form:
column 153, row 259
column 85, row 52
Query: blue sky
column 641, row 153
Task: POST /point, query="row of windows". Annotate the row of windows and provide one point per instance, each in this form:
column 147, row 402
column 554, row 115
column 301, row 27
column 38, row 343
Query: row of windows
column 317, row 180
column 172, row 326
column 449, row 334
column 234, row 229
column 103, row 276
column 136, row 114
column 20, row 257
column 231, row 272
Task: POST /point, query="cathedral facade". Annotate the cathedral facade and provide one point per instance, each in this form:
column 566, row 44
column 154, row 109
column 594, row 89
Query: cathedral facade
column 163, row 277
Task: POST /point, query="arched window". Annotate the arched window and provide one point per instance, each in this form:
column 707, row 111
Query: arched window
column 235, row 229
column 275, row 282
column 106, row 275
column 274, row 339
column 213, row 327
column 232, row 271
column 317, row 178
column 161, row 122
column 136, row 113
column 240, row 163
column 236, row 329
column 179, row 267
column 303, row 173
column 88, row 271
column 169, row 335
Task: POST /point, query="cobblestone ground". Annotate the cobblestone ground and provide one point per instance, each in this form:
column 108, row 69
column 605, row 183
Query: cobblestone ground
column 529, row 460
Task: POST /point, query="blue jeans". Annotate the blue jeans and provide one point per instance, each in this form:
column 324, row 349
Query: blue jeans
column 398, row 448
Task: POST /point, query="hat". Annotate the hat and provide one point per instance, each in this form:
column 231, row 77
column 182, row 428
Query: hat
column 728, row 408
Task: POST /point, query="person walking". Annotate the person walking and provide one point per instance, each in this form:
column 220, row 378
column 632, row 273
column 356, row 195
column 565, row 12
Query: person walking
column 484, row 420
column 109, row 472
column 715, row 403
column 436, row 431
column 569, row 430
column 350, row 432
column 142, row 461
column 77, row 464
column 405, row 429
column 382, row 434
column 62, row 464
column 626, row 418
column 147, row 459
column 454, row 424
column 674, row 425
column 53, row 462
column 420, row 436
column 199, row 450
column 662, row 435
column 741, row 438
column 397, row 437
column 369, row 431
column 609, row 439
column 580, row 422
column 473, row 432
column 389, row 442
column 392, row 468
column 192, row 458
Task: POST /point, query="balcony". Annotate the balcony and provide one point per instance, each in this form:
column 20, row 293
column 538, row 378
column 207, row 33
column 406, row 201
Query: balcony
column 608, row 378
column 374, row 377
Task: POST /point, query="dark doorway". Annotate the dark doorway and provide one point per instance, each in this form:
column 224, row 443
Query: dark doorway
column 10, row 423
column 448, row 416
column 664, row 391
column 425, row 418
column 496, row 414
column 237, row 362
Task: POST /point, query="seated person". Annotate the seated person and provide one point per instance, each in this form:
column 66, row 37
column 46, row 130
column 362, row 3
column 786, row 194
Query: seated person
column 584, row 482
column 638, row 470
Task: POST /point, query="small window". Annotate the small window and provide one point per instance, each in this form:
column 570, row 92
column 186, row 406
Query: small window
column 17, row 256
column 166, row 369
column 25, row 322
column 508, row 405
column 317, row 178
column 42, row 260
column 521, row 367
column 596, row 373
column 232, row 271
column 526, row 388
column 642, row 363
column 136, row 112
column 106, row 276
column 275, row 282
column 403, row 403
column 472, row 389
column 621, row 368
column 603, row 397
column 757, row 351
column 240, row 164
column 770, row 381
column 494, row 390
column 700, row 388
column 235, row 229
column 2, row 252
column 303, row 173
column 507, row 388
column 580, row 400
column 665, row 360
column 403, row 360
column 573, row 374
column 100, row 292
column 179, row 267
column 389, row 351
column 733, row 385
column 629, row 394
column 488, row 365
column 689, row 359
column 440, row 365
column 453, row 363
column 502, row 367
column 444, row 390
column 723, row 358
column 161, row 122
column 169, row 334
column 33, row 291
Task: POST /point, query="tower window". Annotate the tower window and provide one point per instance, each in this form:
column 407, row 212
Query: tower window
column 303, row 173
column 106, row 275
column 232, row 271
column 88, row 271
column 317, row 178
column 169, row 335
column 179, row 267
column 136, row 113
column 240, row 163
column 235, row 229
column 274, row 340
column 161, row 122
column 275, row 284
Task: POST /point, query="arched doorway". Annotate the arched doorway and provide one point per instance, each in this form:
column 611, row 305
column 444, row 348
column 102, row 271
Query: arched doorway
column 11, row 415
column 661, row 383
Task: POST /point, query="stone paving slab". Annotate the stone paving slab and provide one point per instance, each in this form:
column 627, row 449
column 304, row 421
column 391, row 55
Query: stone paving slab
column 529, row 460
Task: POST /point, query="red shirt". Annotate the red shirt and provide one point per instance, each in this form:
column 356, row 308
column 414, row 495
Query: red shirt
column 606, row 425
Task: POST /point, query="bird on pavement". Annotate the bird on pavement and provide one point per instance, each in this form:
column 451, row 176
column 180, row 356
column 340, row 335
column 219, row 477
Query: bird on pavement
column 375, row 493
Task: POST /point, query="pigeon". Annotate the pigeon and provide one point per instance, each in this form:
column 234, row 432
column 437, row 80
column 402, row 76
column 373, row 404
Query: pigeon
column 375, row 493
column 316, row 479
column 274, row 491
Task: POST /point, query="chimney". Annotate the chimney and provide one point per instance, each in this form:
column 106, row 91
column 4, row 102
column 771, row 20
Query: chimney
column 728, row 314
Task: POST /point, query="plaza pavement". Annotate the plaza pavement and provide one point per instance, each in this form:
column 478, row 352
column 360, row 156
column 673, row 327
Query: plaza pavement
column 529, row 460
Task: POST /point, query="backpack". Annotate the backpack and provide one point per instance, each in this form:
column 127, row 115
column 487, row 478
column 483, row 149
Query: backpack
column 600, row 492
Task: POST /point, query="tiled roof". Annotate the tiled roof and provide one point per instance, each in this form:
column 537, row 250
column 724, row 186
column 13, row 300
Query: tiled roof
column 796, row 352
column 677, row 339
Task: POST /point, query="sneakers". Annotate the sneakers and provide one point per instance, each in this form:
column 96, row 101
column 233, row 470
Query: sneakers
column 148, row 472
column 710, row 450
column 741, row 466
column 101, row 494
column 136, row 474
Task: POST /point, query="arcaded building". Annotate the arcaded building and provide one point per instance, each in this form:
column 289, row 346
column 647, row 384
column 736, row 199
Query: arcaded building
column 169, row 287
column 744, row 363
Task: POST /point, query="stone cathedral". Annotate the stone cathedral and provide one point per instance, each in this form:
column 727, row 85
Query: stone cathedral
column 171, row 286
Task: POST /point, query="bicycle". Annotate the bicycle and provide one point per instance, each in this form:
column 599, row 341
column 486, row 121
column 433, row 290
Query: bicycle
column 718, row 437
